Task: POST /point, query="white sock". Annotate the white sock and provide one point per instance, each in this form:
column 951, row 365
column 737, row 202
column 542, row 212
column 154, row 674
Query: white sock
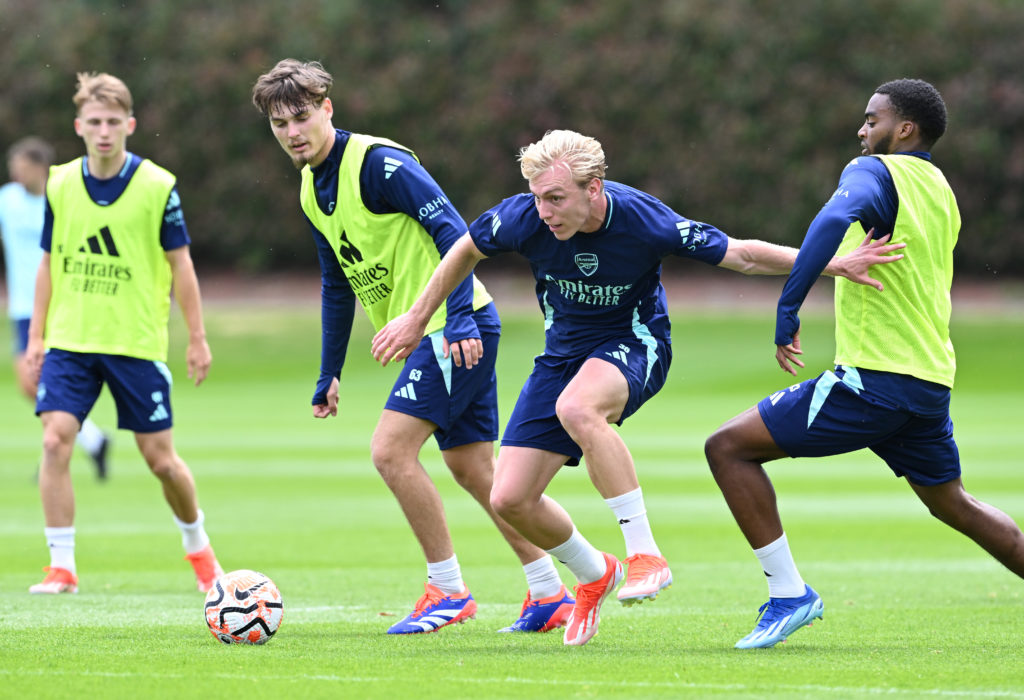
column 61, row 541
column 631, row 513
column 784, row 580
column 581, row 558
column 542, row 578
column 90, row 437
column 193, row 535
column 446, row 575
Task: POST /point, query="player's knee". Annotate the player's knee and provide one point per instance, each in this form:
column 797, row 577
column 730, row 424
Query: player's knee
column 163, row 468
column 716, row 449
column 474, row 479
column 721, row 449
column 57, row 443
column 390, row 462
column 578, row 419
column 163, row 464
column 509, row 506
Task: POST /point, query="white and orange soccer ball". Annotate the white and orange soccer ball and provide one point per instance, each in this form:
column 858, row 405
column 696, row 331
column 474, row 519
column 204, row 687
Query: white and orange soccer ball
column 244, row 607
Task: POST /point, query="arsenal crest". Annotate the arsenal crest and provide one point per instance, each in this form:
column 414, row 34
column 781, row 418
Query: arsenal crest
column 587, row 263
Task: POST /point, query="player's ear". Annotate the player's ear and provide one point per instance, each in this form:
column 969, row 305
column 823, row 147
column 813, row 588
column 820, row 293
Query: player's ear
column 907, row 129
column 131, row 125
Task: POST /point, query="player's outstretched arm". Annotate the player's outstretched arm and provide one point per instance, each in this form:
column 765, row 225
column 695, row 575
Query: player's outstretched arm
column 186, row 290
column 854, row 265
column 401, row 335
column 753, row 257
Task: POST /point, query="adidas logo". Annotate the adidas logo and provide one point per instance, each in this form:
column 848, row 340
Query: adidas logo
column 495, row 224
column 684, row 230
column 161, row 411
column 407, row 392
column 390, row 166
column 95, row 246
column 619, row 355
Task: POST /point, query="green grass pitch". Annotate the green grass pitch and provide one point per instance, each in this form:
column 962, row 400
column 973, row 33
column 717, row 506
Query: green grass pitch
column 912, row 609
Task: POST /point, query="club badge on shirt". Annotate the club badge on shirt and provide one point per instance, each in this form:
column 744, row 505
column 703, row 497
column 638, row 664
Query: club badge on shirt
column 587, row 262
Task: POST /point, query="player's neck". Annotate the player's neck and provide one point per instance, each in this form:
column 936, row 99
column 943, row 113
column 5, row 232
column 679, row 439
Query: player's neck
column 104, row 168
column 595, row 221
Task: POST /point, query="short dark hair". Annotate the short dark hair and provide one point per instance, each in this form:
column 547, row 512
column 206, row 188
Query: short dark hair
column 292, row 84
column 919, row 102
column 34, row 148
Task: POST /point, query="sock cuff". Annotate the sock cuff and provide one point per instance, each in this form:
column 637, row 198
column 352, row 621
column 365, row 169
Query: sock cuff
column 561, row 548
column 626, row 499
column 539, row 566
column 59, row 531
column 772, row 547
column 443, row 567
column 198, row 523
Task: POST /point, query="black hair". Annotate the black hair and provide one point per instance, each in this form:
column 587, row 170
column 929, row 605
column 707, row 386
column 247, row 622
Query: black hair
column 919, row 102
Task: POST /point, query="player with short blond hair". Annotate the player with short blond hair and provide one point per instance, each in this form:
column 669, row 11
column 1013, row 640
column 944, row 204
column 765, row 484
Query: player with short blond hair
column 115, row 243
column 595, row 248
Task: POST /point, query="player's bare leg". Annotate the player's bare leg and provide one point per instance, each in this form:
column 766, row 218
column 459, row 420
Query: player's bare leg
column 522, row 475
column 518, row 496
column 992, row 529
column 55, row 487
column 395, row 449
column 180, row 493
column 735, row 453
column 174, row 475
column 589, row 404
column 473, row 468
column 58, row 497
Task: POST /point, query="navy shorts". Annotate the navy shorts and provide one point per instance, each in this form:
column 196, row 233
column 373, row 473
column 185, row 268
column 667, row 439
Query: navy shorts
column 834, row 413
column 462, row 403
column 71, row 382
column 643, row 362
column 19, row 329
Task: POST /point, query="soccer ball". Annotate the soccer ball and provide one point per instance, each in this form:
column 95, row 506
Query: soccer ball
column 243, row 607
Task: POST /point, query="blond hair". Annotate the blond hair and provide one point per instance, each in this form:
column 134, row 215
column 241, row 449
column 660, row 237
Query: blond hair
column 582, row 155
column 104, row 88
column 292, row 84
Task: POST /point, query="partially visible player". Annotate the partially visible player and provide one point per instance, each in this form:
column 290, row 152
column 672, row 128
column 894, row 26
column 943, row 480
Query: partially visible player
column 22, row 208
column 595, row 247
column 894, row 360
column 115, row 244
column 381, row 223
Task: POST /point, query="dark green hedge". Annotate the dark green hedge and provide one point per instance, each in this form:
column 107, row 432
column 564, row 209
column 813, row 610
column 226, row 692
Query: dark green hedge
column 737, row 112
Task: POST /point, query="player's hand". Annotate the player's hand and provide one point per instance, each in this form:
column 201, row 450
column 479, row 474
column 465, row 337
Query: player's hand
column 854, row 265
column 788, row 355
column 468, row 350
column 322, row 410
column 35, row 351
column 198, row 358
column 397, row 339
